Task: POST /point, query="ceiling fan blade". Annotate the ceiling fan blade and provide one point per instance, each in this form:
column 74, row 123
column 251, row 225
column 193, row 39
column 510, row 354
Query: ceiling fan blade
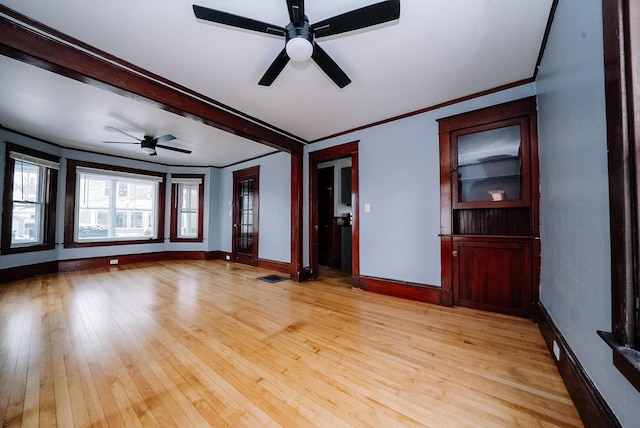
column 236, row 21
column 329, row 66
column 119, row 142
column 175, row 149
column 296, row 11
column 367, row 16
column 122, row 132
column 165, row 138
column 275, row 69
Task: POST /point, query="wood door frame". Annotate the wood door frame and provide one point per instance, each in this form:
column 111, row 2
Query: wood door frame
column 348, row 150
column 243, row 174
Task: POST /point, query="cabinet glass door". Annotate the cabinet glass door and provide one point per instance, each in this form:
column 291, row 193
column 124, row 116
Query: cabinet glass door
column 489, row 165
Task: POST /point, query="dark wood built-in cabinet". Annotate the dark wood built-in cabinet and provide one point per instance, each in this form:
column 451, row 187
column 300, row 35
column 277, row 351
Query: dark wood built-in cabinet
column 489, row 208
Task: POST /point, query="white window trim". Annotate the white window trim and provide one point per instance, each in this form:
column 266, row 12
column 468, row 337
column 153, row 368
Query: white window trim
column 34, row 160
column 192, row 181
column 114, row 175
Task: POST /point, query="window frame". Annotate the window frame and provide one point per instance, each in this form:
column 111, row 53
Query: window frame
column 70, row 205
column 175, row 208
column 50, row 195
column 621, row 32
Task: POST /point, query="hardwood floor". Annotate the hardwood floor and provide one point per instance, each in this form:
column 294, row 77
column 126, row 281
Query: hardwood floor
column 203, row 343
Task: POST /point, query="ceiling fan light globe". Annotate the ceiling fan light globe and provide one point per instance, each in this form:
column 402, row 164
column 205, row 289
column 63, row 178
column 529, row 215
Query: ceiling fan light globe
column 299, row 49
column 148, row 149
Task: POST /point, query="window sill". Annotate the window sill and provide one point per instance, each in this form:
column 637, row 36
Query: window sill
column 111, row 243
column 27, row 249
column 186, row 240
column 626, row 360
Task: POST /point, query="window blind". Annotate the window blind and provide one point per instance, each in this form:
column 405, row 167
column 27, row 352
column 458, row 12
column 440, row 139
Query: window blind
column 34, row 160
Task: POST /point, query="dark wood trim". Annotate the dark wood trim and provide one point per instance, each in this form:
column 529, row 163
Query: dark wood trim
column 431, row 108
column 446, row 284
column 173, row 228
column 70, row 205
column 238, row 176
column 34, row 43
column 244, row 161
column 217, row 255
column 50, row 205
column 626, row 359
column 23, row 272
column 545, row 38
column 593, row 409
column 621, row 42
column 355, row 224
column 406, row 290
column 297, row 214
column 348, row 150
column 273, row 265
column 126, row 259
column 500, row 112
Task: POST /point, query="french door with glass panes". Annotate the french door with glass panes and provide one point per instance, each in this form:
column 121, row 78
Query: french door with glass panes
column 245, row 216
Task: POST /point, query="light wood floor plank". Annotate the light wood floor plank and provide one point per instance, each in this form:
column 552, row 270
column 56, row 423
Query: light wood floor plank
column 203, row 343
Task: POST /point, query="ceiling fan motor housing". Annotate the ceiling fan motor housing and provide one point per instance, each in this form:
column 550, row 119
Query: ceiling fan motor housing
column 148, row 145
column 299, row 41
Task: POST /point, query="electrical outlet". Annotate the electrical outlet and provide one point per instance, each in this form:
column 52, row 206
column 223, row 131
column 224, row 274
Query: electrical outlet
column 227, row 257
column 556, row 351
column 113, row 261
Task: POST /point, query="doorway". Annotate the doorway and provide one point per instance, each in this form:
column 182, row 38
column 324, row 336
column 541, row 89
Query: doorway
column 326, row 244
column 334, row 223
column 245, row 216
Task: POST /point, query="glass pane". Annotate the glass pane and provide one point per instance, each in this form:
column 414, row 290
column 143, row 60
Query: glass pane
column 25, row 223
column 188, row 203
column 245, row 236
column 94, row 192
column 489, row 165
column 27, row 220
column 188, row 225
column 127, row 212
column 26, row 182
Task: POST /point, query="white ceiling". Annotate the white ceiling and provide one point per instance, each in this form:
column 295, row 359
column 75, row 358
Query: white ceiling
column 437, row 51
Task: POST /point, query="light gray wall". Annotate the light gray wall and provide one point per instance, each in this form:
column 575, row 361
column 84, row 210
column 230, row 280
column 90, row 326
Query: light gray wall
column 275, row 206
column 399, row 168
column 212, row 238
column 574, row 216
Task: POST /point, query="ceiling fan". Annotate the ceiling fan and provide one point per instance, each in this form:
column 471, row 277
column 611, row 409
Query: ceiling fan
column 149, row 144
column 300, row 36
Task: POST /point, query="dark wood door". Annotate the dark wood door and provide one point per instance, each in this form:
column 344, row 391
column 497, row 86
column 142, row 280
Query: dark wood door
column 245, row 216
column 325, row 215
column 493, row 275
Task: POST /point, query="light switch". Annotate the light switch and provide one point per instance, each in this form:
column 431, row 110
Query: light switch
column 367, row 208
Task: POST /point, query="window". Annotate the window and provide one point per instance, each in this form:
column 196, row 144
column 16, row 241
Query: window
column 131, row 213
column 29, row 205
column 187, row 202
column 622, row 89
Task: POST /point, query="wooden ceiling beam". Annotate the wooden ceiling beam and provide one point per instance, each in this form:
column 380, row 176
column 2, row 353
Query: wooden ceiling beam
column 34, row 43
